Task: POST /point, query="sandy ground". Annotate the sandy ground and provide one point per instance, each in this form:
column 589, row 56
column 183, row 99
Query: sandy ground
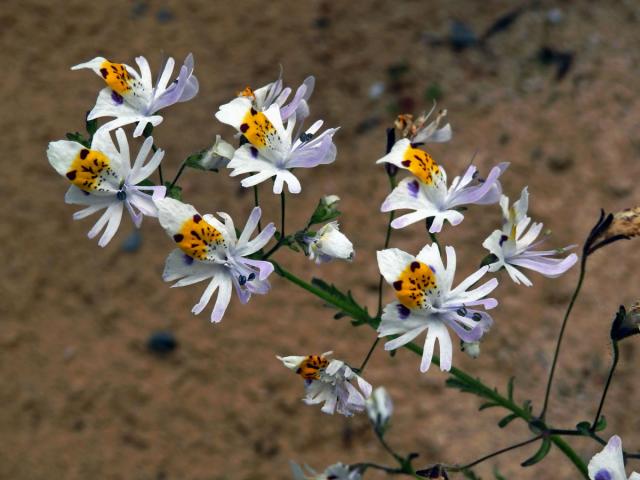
column 81, row 395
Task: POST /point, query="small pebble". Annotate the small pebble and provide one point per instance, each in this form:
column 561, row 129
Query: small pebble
column 162, row 343
column 132, row 242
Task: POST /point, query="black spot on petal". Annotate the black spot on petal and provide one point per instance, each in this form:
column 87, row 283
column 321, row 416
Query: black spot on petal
column 244, row 127
column 71, row 175
column 178, row 237
column 397, row 285
column 83, row 153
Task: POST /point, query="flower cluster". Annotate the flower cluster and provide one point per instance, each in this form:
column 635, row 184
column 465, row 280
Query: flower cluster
column 272, row 142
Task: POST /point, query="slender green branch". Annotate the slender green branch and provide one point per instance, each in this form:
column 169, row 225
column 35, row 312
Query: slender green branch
column 282, row 237
column 576, row 292
column 256, row 202
column 460, row 468
column 366, row 359
column 283, row 207
column 183, row 165
column 614, row 364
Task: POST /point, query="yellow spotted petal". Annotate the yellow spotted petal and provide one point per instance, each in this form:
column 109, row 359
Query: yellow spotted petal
column 92, row 171
column 257, row 128
column 420, row 164
column 116, row 77
column 310, row 367
column 199, row 239
column 414, row 284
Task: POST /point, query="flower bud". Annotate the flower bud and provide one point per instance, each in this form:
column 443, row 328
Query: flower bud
column 379, row 409
column 471, row 348
column 329, row 243
column 218, row 155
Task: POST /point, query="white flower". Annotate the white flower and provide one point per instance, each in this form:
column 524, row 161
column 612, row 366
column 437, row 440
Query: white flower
column 609, row 463
column 208, row 249
column 379, row 408
column 337, row 471
column 275, row 93
column 102, row 178
column 427, row 301
column 272, row 150
column 427, row 194
column 218, row 155
column 131, row 96
column 329, row 243
column 329, row 382
column 513, row 245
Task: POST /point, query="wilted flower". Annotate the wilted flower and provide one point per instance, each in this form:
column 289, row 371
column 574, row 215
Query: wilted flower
column 427, row 194
column 218, row 155
column 626, row 323
column 329, row 243
column 379, row 409
column 427, row 301
column 513, row 245
column 609, row 463
column 329, row 382
column 131, row 96
column 209, row 249
column 272, row 149
column 419, row 131
column 337, row 471
column 102, row 178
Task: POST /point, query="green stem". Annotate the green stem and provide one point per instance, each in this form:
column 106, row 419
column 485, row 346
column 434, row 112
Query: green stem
column 282, row 214
column 180, row 170
column 366, row 359
column 614, row 364
column 256, row 201
column 576, row 292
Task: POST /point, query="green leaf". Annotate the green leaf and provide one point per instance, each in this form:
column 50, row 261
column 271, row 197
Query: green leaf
column 488, row 260
column 78, row 137
column 542, row 452
column 193, row 161
column 174, row 192
column 510, row 388
column 601, row 424
column 350, row 308
column 324, row 212
column 486, row 405
column 498, row 475
column 507, row 420
column 583, row 427
column 92, row 126
column 470, row 474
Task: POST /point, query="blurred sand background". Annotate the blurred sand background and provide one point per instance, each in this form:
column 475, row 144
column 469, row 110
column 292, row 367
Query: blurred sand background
column 81, row 396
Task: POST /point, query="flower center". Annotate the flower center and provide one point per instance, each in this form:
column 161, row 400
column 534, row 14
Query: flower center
column 415, row 284
column 198, row 239
column 91, row 170
column 116, row 76
column 310, row 367
column 421, row 164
